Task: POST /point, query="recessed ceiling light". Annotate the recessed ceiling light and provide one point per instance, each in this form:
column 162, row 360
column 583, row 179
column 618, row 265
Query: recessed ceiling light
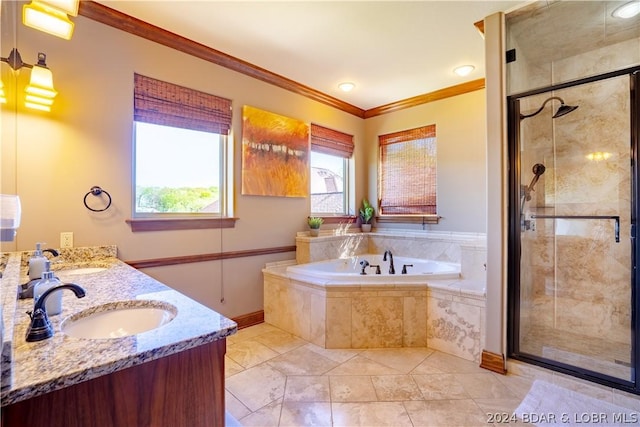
column 347, row 86
column 464, row 70
column 628, row 10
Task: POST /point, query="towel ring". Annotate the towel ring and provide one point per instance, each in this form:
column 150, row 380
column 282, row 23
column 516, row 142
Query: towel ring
column 96, row 191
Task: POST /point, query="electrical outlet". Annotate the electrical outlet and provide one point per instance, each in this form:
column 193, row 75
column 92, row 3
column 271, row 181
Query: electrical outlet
column 66, row 239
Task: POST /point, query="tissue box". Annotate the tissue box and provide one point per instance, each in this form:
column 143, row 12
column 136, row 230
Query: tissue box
column 9, row 217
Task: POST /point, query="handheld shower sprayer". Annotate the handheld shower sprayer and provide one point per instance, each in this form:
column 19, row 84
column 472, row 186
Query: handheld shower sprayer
column 538, row 169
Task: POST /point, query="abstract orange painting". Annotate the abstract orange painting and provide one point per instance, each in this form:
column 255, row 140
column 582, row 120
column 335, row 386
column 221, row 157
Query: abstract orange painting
column 275, row 154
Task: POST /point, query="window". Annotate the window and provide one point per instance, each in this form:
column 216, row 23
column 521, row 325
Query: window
column 180, row 149
column 408, row 172
column 329, row 160
column 174, row 172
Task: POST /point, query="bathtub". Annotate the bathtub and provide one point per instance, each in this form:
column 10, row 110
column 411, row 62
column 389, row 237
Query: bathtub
column 332, row 305
column 349, row 270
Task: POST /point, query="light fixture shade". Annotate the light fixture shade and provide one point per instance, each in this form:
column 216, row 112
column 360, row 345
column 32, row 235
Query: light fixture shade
column 3, row 97
column 41, row 83
column 50, row 20
column 36, row 106
column 38, row 100
column 70, row 7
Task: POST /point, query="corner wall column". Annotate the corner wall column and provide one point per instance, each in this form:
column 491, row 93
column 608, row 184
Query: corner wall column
column 493, row 355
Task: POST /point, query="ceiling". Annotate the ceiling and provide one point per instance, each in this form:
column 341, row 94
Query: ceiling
column 391, row 50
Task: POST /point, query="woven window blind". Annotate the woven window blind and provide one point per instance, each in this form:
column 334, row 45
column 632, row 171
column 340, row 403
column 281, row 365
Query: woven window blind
column 408, row 172
column 167, row 104
column 329, row 141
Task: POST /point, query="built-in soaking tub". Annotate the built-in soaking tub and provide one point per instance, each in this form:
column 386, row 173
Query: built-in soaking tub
column 376, row 270
column 331, row 304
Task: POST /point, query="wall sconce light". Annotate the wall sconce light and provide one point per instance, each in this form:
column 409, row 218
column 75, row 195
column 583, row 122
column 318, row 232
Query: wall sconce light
column 51, row 16
column 40, row 91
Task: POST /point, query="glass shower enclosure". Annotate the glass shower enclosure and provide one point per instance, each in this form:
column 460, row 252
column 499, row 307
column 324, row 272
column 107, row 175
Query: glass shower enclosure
column 573, row 226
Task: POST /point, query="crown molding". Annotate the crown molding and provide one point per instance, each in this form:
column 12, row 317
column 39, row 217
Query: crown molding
column 426, row 98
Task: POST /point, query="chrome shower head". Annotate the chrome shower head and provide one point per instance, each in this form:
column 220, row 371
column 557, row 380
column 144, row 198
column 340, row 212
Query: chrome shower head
column 562, row 110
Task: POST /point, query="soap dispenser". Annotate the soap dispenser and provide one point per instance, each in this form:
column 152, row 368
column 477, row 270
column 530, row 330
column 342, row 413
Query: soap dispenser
column 36, row 263
column 53, row 304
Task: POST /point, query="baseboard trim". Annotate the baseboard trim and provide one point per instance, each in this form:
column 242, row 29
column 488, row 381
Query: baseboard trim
column 493, row 362
column 249, row 319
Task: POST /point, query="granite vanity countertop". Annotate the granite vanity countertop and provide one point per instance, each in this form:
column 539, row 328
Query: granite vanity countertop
column 41, row 367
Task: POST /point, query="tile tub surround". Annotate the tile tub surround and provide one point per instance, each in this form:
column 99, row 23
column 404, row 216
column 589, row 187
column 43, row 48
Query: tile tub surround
column 61, row 361
column 434, row 245
column 445, row 315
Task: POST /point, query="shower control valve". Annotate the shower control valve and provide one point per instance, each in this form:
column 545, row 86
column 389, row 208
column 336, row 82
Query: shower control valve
column 529, row 224
column 377, row 267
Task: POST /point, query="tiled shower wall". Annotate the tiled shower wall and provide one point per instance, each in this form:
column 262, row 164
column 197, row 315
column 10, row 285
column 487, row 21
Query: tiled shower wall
column 574, row 276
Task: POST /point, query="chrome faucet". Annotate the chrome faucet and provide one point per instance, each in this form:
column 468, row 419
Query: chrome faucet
column 40, row 327
column 392, row 269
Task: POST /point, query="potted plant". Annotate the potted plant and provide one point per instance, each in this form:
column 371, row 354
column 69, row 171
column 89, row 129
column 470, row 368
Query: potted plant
column 314, row 225
column 366, row 215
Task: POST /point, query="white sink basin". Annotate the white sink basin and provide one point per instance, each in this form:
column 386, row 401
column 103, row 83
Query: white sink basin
column 120, row 319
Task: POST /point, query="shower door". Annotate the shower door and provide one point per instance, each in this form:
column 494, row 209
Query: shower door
column 571, row 272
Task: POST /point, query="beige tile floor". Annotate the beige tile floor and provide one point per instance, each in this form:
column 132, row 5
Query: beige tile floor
column 276, row 379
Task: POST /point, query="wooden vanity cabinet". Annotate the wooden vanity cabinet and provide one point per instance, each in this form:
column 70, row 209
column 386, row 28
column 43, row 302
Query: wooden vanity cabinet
column 185, row 389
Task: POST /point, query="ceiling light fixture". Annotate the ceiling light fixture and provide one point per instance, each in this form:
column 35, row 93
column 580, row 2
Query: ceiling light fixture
column 50, row 16
column 464, row 70
column 346, row 86
column 627, row 10
column 40, row 91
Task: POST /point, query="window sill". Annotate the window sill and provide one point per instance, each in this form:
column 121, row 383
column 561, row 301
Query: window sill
column 146, row 224
column 337, row 219
column 408, row 219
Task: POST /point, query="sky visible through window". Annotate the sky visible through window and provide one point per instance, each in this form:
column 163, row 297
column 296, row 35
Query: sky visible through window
column 173, row 157
column 334, row 163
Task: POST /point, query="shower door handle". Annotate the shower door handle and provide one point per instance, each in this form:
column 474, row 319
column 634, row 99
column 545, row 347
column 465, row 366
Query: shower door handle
column 616, row 218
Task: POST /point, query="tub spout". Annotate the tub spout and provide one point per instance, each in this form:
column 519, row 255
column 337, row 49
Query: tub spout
column 392, row 269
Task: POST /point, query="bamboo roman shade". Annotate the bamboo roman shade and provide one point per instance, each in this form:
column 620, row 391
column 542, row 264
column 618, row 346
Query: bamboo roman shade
column 167, row 104
column 408, row 172
column 329, row 141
